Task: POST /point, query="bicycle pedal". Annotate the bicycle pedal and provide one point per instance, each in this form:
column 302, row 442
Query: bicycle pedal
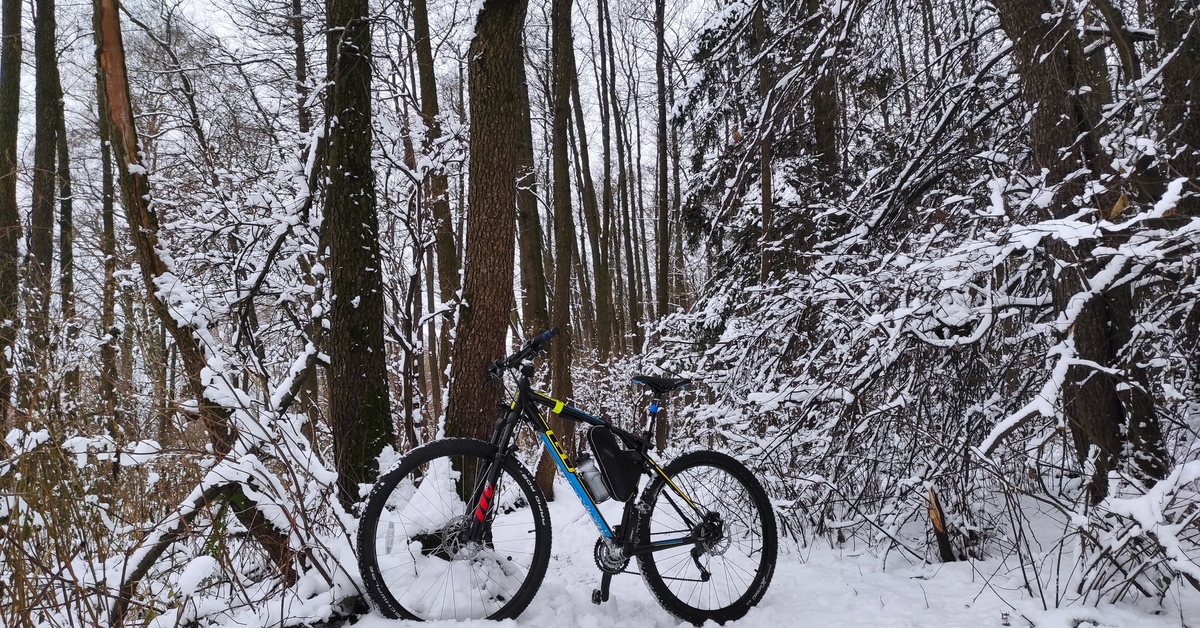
column 597, row 598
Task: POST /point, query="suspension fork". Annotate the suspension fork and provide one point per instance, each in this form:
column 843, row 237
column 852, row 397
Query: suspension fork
column 485, row 487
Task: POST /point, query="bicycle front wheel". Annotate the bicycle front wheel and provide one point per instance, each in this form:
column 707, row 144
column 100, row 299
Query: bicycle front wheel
column 721, row 504
column 430, row 548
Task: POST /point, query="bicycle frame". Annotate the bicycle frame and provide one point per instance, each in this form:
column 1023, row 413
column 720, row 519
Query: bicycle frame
column 524, row 408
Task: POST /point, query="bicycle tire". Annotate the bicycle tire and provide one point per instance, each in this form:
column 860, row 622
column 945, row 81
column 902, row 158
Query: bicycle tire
column 413, row 561
column 740, row 560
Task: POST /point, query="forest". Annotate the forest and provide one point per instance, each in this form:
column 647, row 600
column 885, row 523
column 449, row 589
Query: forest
column 933, row 264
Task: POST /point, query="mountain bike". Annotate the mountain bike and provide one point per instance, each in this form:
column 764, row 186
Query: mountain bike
column 459, row 529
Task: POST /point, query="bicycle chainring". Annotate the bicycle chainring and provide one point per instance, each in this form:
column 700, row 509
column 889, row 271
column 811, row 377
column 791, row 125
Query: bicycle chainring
column 609, row 557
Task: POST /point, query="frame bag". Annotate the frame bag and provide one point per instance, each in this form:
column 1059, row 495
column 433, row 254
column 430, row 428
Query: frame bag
column 619, row 467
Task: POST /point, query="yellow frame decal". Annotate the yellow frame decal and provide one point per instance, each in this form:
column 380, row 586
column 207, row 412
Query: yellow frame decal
column 678, row 491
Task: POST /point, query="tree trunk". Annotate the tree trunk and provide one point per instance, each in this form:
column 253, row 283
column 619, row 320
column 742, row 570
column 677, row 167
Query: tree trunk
column 40, row 262
column 826, row 113
column 1180, row 109
column 765, row 146
column 303, row 117
column 564, row 230
column 591, row 219
column 143, row 230
column 109, row 370
column 359, row 406
column 10, row 219
column 449, row 281
column 529, row 229
column 662, row 233
column 622, row 231
column 1051, row 61
column 496, row 71
column 610, row 252
column 66, row 255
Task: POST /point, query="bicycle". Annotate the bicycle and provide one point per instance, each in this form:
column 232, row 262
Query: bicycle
column 459, row 529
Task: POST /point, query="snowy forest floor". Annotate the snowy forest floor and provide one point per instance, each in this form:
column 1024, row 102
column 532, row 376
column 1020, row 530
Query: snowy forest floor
column 818, row 586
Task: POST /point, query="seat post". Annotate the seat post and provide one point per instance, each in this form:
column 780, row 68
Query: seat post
column 648, row 435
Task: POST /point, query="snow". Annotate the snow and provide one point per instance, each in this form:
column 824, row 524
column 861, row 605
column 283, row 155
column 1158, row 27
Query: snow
column 195, row 573
column 812, row 586
column 1170, row 199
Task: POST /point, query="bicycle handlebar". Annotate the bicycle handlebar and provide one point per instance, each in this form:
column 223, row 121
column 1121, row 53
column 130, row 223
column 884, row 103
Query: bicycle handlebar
column 529, row 349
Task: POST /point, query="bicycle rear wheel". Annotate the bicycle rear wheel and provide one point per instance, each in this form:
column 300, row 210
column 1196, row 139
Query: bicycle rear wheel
column 730, row 515
column 414, row 549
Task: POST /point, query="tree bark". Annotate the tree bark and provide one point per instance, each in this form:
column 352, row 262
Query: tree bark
column 360, row 410
column 564, row 230
column 592, row 221
column 40, row 261
column 496, row 70
column 437, row 185
column 662, row 234
column 529, row 229
column 1052, row 65
column 826, row 113
column 66, row 250
column 1051, row 61
column 109, row 370
column 10, row 220
column 1178, row 25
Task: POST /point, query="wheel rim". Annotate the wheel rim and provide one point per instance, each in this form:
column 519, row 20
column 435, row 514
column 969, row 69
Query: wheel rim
column 425, row 563
column 730, row 526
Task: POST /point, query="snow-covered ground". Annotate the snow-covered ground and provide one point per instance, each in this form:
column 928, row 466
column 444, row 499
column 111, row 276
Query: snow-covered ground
column 816, row 586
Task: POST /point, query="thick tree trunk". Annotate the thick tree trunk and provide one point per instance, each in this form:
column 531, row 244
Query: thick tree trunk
column 1051, row 61
column 10, row 220
column 1050, row 58
column 360, row 410
column 496, row 64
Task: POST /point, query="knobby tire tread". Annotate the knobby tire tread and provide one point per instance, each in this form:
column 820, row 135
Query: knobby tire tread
column 649, row 569
column 377, row 589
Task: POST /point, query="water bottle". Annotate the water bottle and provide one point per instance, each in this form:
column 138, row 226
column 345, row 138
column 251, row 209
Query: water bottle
column 590, row 475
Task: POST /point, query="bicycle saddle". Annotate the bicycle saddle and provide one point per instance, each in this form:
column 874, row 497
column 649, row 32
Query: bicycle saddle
column 660, row 385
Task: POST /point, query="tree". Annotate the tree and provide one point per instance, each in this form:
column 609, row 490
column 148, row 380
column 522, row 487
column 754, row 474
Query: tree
column 1177, row 24
column 1064, row 141
column 437, row 187
column 10, row 220
column 562, row 71
column 40, row 262
column 360, row 410
column 662, row 202
column 141, row 215
column 496, row 71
